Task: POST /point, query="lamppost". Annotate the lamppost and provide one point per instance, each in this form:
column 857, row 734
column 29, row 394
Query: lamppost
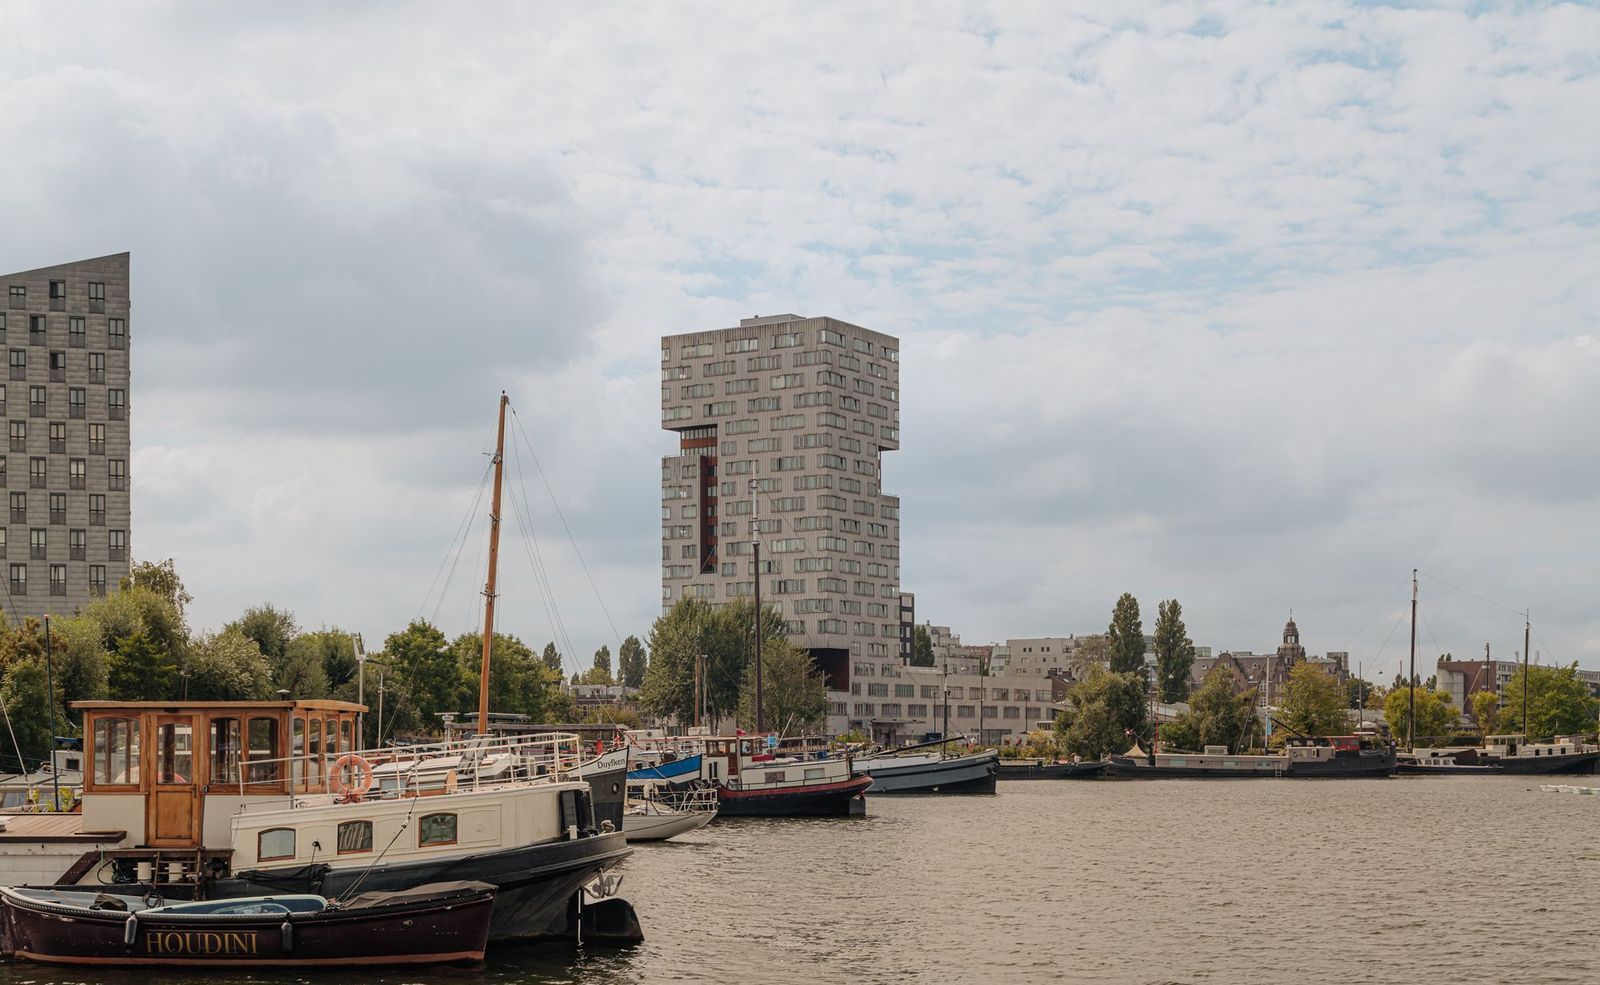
column 361, row 691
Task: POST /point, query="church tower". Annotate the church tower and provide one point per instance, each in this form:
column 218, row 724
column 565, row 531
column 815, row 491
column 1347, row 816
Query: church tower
column 1291, row 652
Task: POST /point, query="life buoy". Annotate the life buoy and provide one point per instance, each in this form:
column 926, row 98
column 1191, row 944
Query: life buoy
column 364, row 776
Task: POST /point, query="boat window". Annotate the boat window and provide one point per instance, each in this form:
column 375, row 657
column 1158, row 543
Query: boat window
column 314, row 756
column 224, row 750
column 175, row 752
column 344, row 735
column 331, row 730
column 116, row 750
column 355, row 836
column 297, row 750
column 436, row 829
column 275, row 843
column 264, row 746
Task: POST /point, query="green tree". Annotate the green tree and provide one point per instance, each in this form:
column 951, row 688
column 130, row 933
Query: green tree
column 724, row 636
column 1126, row 637
column 138, row 609
column 142, row 671
column 1174, row 652
column 1104, row 714
column 271, row 628
column 1091, row 652
column 794, row 697
column 228, row 666
column 1437, row 715
column 427, row 670
column 333, row 650
column 1313, row 702
column 1558, row 704
column 602, row 665
column 300, row 672
column 631, row 662
column 1486, row 712
column 552, row 657
column 519, row 681
column 160, row 577
column 81, row 660
column 1217, row 716
column 1361, row 694
column 921, row 647
column 27, row 701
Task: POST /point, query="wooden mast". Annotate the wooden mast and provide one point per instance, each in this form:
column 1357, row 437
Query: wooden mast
column 1411, row 684
column 494, row 558
column 1527, row 633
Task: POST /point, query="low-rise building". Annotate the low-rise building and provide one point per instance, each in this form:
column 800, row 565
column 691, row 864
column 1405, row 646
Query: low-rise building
column 894, row 703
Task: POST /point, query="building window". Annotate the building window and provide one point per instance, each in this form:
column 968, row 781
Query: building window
column 19, row 296
column 58, row 367
column 58, row 295
column 116, row 404
column 38, row 544
column 116, row 474
column 77, row 335
column 19, row 364
column 58, row 579
column 97, row 509
column 77, row 403
column 78, row 474
column 97, row 296
column 36, row 330
column 58, row 508
column 97, row 579
column 19, row 579
column 58, row 438
column 2, row 542
column 78, row 545
column 116, row 545
column 37, row 401
column 116, row 333
column 354, row 837
column 36, row 473
column 2, row 398
column 275, row 843
column 19, row 507
column 97, row 368
column 97, row 439
column 436, row 829
column 19, row 435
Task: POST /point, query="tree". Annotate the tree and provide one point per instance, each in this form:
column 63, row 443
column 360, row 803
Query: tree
column 631, row 662
column 794, row 697
column 552, row 657
column 136, row 609
column 142, row 671
column 28, row 702
column 921, row 647
column 1361, row 694
column 724, row 636
column 1217, row 716
column 160, row 577
column 80, row 658
column 1486, row 711
column 602, row 664
column 1313, row 702
column 427, row 670
column 1101, row 713
column 334, row 649
column 1437, row 715
column 1558, row 704
column 1174, row 652
column 519, row 681
column 271, row 628
column 228, row 666
column 1126, row 637
column 1091, row 652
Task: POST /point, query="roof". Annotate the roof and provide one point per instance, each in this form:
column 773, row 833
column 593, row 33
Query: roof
column 176, row 706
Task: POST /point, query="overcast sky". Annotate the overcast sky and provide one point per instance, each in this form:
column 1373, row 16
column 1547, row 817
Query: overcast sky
column 1255, row 307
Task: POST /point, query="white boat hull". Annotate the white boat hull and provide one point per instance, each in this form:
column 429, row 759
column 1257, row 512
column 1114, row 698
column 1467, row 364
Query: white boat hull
column 660, row 827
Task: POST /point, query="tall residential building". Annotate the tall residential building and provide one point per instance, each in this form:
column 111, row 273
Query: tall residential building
column 790, row 415
column 65, row 471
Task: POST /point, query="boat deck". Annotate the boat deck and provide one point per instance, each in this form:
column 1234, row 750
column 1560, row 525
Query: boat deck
column 49, row 827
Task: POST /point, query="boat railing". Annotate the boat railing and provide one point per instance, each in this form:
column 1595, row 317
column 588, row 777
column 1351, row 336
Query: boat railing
column 454, row 766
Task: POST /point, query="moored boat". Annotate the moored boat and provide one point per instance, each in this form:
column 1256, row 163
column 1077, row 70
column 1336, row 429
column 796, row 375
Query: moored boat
column 430, row 924
column 931, row 772
column 1508, row 754
column 656, row 815
column 1038, row 769
column 1312, row 757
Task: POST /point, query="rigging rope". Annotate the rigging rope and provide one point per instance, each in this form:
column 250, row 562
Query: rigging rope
column 460, row 534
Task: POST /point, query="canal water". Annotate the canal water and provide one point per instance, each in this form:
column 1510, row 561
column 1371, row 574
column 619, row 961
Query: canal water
column 1450, row 880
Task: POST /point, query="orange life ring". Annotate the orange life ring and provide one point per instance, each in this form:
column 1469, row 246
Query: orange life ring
column 364, row 775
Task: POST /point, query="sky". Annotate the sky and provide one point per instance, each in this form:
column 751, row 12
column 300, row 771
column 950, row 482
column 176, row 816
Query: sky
column 1255, row 307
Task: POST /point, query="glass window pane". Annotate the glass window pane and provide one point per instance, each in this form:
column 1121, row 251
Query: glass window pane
column 297, row 749
column 275, row 843
column 264, row 746
column 437, row 829
column 355, row 836
column 116, row 750
column 225, row 750
column 175, row 752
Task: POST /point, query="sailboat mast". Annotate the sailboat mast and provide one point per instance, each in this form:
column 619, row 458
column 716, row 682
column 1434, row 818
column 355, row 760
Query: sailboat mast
column 755, row 548
column 1411, row 684
column 1527, row 633
column 494, row 559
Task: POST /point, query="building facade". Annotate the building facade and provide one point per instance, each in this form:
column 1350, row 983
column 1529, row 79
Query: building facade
column 1461, row 679
column 1268, row 673
column 893, row 703
column 67, row 533
column 785, row 419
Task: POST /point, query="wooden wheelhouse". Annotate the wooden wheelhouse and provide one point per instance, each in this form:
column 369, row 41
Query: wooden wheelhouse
column 172, row 774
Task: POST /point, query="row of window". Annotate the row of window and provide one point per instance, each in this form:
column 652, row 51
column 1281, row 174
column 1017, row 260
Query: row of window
column 77, row 468
column 77, row 399
column 58, row 510
column 57, row 432
column 735, row 590
column 116, row 335
column 77, row 544
column 786, row 340
column 96, row 295
column 60, row 365
column 58, row 579
column 355, row 837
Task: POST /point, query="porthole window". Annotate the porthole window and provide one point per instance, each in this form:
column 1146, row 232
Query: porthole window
column 436, row 829
column 275, row 843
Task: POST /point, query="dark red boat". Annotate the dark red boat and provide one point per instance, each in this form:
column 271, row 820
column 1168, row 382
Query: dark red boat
column 439, row 923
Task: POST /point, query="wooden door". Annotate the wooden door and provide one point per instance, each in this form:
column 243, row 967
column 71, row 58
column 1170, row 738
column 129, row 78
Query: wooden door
column 173, row 815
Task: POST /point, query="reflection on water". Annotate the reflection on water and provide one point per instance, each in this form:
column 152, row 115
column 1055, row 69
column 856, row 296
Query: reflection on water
column 1417, row 880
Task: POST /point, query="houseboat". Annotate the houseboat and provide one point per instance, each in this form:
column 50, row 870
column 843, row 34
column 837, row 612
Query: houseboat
column 218, row 800
column 754, row 775
column 902, row 771
column 1510, row 754
column 1324, row 757
column 1042, row 769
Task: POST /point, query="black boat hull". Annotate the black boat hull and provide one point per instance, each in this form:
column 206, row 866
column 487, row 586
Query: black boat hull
column 1581, row 763
column 1054, row 771
column 1125, row 767
column 830, row 800
column 965, row 774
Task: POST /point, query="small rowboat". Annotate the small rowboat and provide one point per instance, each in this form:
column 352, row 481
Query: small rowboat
column 433, row 924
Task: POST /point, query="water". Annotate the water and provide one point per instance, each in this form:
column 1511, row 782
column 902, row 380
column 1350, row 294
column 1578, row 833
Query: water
column 1417, row 880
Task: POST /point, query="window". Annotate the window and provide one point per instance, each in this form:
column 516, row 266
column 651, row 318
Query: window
column 116, row 751
column 78, row 545
column 37, row 473
column 787, row 381
column 116, row 333
column 761, row 363
column 19, row 579
column 77, row 402
column 36, row 401
column 832, row 338
column 19, row 507
column 262, row 733
column 58, row 295
column 788, row 463
column 697, row 351
column 225, row 750
column 354, row 837
column 97, row 368
column 36, row 330
column 58, row 367
column 2, row 398
column 275, row 843
column 38, row 544
column 740, row 345
column 117, row 404
column 762, row 404
column 117, row 545
column 77, row 337
column 116, row 473
column 97, row 438
column 58, row 579
column 2, row 541
column 97, row 509
column 788, row 422
column 97, row 297
column 436, row 829
column 19, row 364
column 747, row 385
column 670, row 374
column 2, row 470
column 721, row 368
column 19, row 296
column 719, row 409
column 58, row 438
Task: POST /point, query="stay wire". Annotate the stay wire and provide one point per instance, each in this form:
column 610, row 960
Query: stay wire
column 460, row 533
column 1374, row 615
column 1475, row 595
column 530, row 546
